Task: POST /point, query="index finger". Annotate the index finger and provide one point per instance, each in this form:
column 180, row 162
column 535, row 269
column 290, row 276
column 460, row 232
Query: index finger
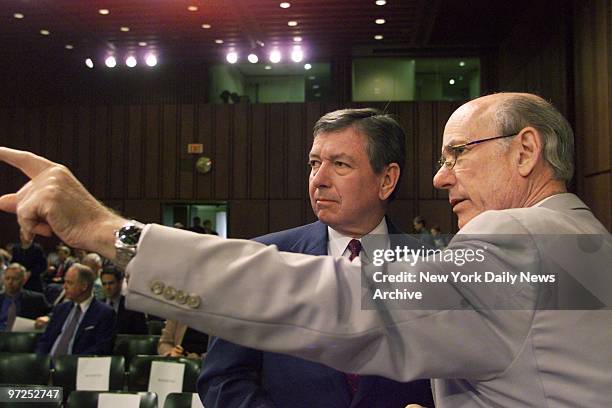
column 29, row 163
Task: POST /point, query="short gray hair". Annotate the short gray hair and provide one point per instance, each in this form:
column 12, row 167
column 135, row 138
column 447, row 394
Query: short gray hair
column 385, row 137
column 85, row 274
column 22, row 269
column 519, row 111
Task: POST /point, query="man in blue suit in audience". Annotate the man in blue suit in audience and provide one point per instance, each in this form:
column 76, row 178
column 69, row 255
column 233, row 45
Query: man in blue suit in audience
column 82, row 326
column 355, row 162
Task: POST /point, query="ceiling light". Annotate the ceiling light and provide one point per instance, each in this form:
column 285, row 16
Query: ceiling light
column 312, row 77
column 381, row 2
column 151, row 60
column 45, row 32
column 206, row 26
column 307, row 66
column 232, row 57
column 253, row 58
column 378, row 37
column 192, row 8
column 462, row 63
column 219, row 41
column 285, row 5
column 380, row 21
column 275, row 56
column 110, row 62
column 18, row 15
column 125, row 29
column 142, row 44
column 131, row 61
column 69, row 46
column 297, row 55
column 451, row 81
column 267, row 67
column 89, row 63
column 297, row 39
column 292, row 23
column 104, row 12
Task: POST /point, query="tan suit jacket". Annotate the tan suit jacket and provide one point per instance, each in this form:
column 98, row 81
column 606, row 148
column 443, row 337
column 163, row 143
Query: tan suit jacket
column 310, row 307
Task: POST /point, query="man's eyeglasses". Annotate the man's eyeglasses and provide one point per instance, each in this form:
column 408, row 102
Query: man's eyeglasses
column 457, row 150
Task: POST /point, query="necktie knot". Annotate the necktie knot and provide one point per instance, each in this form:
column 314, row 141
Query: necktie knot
column 355, row 248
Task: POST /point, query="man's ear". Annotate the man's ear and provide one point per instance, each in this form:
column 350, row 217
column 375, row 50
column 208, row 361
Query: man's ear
column 530, row 147
column 389, row 180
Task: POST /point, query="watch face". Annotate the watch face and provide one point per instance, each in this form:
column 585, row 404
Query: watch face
column 130, row 234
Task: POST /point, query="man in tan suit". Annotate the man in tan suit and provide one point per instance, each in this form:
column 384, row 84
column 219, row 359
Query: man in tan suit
column 506, row 159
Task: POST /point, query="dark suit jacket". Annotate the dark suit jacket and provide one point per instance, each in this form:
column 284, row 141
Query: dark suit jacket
column 129, row 321
column 33, row 304
column 235, row 376
column 94, row 335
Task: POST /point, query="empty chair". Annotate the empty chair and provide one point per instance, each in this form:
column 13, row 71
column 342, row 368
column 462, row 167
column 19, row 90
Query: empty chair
column 179, row 400
column 130, row 345
column 24, row 368
column 65, row 372
column 18, row 342
column 89, row 399
column 140, row 370
column 155, row 326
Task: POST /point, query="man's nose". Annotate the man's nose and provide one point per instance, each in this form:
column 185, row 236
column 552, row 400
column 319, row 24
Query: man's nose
column 321, row 177
column 444, row 178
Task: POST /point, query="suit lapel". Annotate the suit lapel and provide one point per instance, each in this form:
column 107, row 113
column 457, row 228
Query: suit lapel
column 85, row 321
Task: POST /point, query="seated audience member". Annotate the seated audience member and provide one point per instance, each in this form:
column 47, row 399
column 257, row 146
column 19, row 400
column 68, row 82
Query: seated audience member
column 178, row 340
column 55, row 273
column 128, row 321
column 440, row 241
column 197, row 226
column 207, row 225
column 94, row 262
column 82, row 326
column 31, row 256
column 420, row 229
column 16, row 301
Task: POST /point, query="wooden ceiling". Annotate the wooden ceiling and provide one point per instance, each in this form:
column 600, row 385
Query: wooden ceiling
column 327, row 27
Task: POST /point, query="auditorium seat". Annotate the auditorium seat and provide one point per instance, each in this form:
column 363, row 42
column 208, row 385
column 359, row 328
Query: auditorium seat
column 24, row 368
column 89, row 399
column 18, row 342
column 155, row 327
column 140, row 369
column 65, row 372
column 130, row 345
column 178, row 400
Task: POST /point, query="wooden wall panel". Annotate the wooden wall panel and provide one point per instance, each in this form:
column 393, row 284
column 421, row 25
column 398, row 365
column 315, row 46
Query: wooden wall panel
column 153, row 163
column 258, row 160
column 297, row 153
column 277, row 152
column 134, row 161
column 240, row 153
column 424, row 153
column 100, row 160
column 186, row 161
column 82, row 162
column 52, row 130
column 223, row 139
column 203, row 188
column 169, row 151
column 247, row 218
column 117, row 154
column 408, row 184
column 284, row 214
column 67, row 138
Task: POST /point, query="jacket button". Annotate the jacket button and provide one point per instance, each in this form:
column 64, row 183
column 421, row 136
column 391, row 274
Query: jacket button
column 157, row 287
column 181, row 297
column 193, row 301
column 169, row 293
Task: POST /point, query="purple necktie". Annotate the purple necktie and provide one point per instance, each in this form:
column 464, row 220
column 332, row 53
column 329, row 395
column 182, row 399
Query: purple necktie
column 355, row 248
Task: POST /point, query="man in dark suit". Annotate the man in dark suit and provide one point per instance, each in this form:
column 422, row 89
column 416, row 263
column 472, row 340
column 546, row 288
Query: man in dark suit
column 355, row 162
column 18, row 302
column 82, row 326
column 31, row 256
column 128, row 321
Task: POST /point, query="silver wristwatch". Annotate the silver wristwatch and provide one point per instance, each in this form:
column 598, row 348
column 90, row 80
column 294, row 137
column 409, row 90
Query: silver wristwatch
column 126, row 242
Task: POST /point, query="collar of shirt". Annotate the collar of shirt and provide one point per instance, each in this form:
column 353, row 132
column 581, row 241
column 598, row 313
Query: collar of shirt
column 84, row 305
column 337, row 243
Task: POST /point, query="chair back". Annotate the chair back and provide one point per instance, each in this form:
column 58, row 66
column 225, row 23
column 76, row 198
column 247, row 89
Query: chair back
column 140, row 370
column 65, row 372
column 89, row 399
column 178, row 400
column 130, row 345
column 25, row 368
column 155, row 327
column 18, row 342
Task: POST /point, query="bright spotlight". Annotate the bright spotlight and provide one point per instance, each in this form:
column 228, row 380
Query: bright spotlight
column 307, row 66
column 232, row 57
column 451, row 81
column 297, row 54
column 110, row 62
column 253, row 58
column 89, row 63
column 275, row 56
column 151, row 60
column 131, row 61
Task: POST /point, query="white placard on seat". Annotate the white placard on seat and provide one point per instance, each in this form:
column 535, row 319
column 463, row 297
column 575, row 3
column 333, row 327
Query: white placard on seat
column 24, row 325
column 118, row 400
column 93, row 373
column 195, row 401
column 165, row 378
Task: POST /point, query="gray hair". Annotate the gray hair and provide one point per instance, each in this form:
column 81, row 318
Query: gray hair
column 22, row 270
column 385, row 137
column 519, row 111
column 93, row 258
column 85, row 274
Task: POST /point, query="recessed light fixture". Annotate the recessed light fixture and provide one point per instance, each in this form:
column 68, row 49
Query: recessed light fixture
column 297, row 55
column 89, row 63
column 18, row 16
column 110, row 62
column 292, row 23
column 451, row 81
column 151, row 60
column 297, row 39
column 253, row 58
column 381, row 2
column 275, row 56
column 380, row 21
column 45, row 32
column 219, row 41
column 131, row 61
column 69, row 46
column 267, row 67
column 142, row 43
column 206, row 26
column 125, row 29
column 192, row 8
column 104, row 12
column 232, row 57
column 307, row 66
column 378, row 37
column 462, row 63
column 312, row 77
column 285, row 5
